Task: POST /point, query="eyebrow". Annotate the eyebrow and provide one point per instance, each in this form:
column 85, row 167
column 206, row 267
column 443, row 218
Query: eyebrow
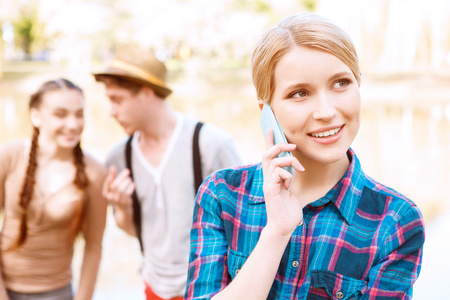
column 65, row 109
column 340, row 74
column 304, row 84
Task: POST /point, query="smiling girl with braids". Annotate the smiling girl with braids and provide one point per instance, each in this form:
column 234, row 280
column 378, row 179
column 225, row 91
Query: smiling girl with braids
column 49, row 191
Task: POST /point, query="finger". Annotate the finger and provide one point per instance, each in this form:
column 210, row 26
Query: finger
column 124, row 175
column 285, row 161
column 275, row 150
column 284, row 177
column 112, row 172
column 109, row 179
column 278, row 177
column 273, row 153
column 129, row 189
column 295, row 163
column 269, row 139
column 288, row 179
column 124, row 186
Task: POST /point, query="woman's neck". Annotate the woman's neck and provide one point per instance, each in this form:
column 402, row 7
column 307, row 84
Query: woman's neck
column 50, row 151
column 318, row 178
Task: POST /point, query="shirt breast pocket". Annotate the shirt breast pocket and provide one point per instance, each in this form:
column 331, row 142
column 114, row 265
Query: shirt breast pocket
column 235, row 262
column 331, row 285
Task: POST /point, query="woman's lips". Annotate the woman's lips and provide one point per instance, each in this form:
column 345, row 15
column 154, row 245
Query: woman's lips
column 327, row 136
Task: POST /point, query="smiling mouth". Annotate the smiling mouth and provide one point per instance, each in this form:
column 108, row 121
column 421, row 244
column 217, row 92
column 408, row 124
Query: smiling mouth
column 71, row 137
column 326, row 133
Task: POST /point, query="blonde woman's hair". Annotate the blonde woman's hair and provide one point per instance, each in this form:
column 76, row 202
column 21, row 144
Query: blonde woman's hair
column 307, row 30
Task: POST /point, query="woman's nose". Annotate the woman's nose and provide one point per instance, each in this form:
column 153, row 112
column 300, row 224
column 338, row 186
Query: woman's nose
column 324, row 108
column 74, row 122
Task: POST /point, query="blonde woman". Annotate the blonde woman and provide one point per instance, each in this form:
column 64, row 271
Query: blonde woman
column 49, row 192
column 330, row 231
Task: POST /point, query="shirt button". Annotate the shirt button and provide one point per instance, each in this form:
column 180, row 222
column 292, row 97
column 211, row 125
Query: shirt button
column 301, row 223
column 295, row 264
column 237, row 271
column 339, row 295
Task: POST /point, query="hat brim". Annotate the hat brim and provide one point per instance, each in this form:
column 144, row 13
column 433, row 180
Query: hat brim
column 162, row 91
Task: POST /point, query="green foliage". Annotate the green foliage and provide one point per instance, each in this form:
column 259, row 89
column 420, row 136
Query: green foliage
column 29, row 31
column 23, row 28
column 257, row 6
column 309, row 5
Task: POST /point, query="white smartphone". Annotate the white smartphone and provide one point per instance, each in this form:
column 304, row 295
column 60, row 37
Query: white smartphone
column 268, row 120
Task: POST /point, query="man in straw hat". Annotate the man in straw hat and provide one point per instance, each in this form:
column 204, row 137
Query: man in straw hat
column 154, row 175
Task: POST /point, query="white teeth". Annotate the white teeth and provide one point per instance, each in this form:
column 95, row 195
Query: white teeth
column 326, row 133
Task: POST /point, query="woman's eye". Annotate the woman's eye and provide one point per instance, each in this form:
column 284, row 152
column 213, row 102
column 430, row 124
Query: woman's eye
column 299, row 94
column 341, row 83
column 60, row 114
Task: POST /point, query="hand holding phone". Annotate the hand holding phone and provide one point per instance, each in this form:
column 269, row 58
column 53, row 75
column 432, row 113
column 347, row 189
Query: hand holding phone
column 268, row 120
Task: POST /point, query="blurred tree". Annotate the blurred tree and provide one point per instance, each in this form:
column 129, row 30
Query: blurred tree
column 116, row 29
column 29, row 31
column 258, row 6
column 309, row 5
column 24, row 28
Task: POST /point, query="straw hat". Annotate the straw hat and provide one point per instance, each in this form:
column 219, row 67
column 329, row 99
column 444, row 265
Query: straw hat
column 137, row 65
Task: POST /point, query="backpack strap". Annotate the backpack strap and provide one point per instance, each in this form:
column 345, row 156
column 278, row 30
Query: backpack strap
column 136, row 204
column 196, row 158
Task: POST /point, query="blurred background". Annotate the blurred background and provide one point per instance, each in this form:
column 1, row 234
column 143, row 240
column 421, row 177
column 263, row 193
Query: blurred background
column 404, row 49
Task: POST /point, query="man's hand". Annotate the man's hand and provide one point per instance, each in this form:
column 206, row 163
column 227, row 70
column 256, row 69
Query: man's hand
column 117, row 189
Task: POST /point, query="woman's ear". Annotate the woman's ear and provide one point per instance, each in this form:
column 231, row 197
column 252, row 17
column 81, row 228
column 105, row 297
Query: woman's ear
column 35, row 117
column 260, row 103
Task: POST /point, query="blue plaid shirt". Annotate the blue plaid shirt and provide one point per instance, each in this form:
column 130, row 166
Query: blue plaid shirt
column 362, row 240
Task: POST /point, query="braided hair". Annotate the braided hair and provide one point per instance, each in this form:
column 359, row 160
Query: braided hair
column 80, row 180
